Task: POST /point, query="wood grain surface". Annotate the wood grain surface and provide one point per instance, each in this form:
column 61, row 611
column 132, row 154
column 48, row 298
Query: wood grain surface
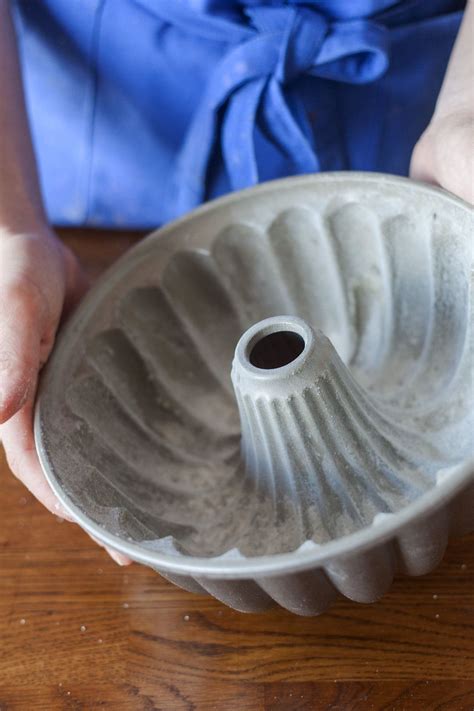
column 77, row 632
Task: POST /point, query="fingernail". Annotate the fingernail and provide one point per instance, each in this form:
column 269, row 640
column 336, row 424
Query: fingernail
column 118, row 557
column 61, row 511
column 11, row 401
column 3, row 404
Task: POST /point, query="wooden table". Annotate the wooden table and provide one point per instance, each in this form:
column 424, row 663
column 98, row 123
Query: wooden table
column 79, row 633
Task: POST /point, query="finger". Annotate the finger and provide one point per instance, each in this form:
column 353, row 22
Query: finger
column 18, row 441
column 20, row 338
column 117, row 557
column 422, row 165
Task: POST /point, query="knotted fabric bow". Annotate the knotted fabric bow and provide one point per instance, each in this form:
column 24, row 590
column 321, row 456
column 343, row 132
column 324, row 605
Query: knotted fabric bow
column 281, row 44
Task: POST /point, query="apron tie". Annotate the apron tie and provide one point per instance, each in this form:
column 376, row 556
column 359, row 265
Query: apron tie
column 250, row 86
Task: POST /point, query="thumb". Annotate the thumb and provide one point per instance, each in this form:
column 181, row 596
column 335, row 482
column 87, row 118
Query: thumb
column 77, row 282
column 20, row 341
column 422, row 164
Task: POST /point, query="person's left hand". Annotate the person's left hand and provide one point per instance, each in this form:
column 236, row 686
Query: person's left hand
column 444, row 155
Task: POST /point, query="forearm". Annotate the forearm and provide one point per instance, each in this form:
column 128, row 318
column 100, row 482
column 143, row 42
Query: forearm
column 21, row 207
column 457, row 92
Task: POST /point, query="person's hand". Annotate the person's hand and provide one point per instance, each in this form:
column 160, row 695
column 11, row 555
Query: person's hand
column 40, row 281
column 444, row 155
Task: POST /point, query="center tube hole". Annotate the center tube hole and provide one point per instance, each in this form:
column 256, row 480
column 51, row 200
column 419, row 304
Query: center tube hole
column 276, row 350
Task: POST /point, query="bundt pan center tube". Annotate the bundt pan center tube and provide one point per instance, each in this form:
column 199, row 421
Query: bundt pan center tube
column 270, row 400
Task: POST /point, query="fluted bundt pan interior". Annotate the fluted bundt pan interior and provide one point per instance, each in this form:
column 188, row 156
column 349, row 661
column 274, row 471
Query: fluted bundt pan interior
column 350, row 402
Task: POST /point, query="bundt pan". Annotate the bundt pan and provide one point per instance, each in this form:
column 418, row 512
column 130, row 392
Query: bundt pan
column 270, row 400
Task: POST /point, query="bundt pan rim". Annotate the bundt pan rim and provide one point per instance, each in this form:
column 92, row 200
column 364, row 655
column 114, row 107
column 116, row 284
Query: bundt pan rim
column 359, row 542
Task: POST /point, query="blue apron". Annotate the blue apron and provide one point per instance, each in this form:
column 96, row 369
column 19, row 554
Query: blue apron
column 142, row 109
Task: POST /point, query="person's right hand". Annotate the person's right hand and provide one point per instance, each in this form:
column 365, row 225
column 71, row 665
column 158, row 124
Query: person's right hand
column 40, row 282
column 40, row 279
